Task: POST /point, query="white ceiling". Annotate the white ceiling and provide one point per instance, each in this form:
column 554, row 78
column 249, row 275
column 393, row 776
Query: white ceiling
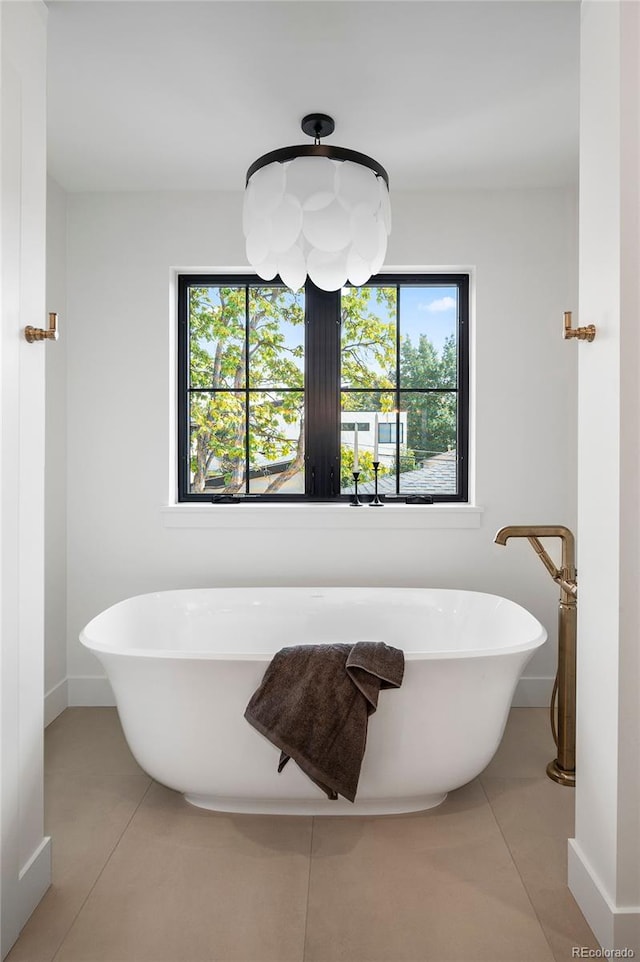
column 186, row 94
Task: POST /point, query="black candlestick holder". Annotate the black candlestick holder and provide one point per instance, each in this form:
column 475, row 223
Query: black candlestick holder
column 355, row 500
column 376, row 503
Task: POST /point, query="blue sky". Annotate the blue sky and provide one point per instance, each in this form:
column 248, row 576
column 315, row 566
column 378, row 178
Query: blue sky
column 428, row 310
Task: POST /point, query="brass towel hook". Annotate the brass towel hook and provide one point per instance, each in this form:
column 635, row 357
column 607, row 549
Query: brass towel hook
column 582, row 333
column 39, row 334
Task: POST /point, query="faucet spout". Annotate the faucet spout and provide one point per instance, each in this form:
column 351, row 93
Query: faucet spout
column 533, row 532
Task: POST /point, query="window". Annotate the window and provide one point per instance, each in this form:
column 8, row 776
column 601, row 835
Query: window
column 387, row 433
column 274, row 388
column 351, row 426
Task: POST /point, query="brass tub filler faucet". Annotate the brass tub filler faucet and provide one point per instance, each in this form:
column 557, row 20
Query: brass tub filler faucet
column 563, row 768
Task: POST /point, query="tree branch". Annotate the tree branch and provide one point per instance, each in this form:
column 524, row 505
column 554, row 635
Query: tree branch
column 295, row 466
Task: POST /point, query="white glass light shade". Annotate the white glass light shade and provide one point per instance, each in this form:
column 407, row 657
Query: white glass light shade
column 327, row 270
column 292, row 267
column 364, row 231
column 285, row 223
column 328, row 228
column 328, row 219
column 358, row 269
column 267, row 189
column 267, row 269
column 306, row 176
column 357, row 185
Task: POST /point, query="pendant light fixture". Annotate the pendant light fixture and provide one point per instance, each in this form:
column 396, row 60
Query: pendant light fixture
column 318, row 211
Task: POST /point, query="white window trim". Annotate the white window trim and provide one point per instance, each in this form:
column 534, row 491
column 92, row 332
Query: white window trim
column 321, row 516
column 306, row 515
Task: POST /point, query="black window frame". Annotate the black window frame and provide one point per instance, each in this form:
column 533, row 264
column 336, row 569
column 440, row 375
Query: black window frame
column 323, row 387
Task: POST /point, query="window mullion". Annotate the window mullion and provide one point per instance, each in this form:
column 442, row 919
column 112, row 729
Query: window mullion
column 322, row 381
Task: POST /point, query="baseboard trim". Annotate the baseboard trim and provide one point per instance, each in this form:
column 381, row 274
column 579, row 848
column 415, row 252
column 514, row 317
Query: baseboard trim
column 614, row 927
column 55, row 701
column 34, row 879
column 90, row 691
column 533, row 693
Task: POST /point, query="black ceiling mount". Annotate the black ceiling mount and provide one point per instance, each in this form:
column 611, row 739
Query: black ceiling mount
column 285, row 154
column 318, row 125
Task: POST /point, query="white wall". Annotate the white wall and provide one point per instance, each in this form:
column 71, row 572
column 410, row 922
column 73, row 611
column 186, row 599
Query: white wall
column 55, row 588
column 121, row 249
column 604, row 857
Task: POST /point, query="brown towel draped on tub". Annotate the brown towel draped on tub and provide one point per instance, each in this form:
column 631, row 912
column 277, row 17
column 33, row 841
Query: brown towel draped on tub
column 314, row 702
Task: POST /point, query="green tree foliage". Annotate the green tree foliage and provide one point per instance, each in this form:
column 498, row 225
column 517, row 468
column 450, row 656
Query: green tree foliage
column 408, row 461
column 368, row 352
column 448, row 364
column 365, row 467
column 419, row 364
column 431, row 418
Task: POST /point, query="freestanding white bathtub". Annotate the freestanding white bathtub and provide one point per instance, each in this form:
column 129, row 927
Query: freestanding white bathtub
column 183, row 665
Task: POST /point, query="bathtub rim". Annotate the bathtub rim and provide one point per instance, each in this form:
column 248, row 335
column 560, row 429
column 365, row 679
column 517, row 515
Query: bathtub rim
column 265, row 657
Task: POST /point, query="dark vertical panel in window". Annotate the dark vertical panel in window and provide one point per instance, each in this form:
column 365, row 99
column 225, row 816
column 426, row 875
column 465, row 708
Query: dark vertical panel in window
column 322, row 427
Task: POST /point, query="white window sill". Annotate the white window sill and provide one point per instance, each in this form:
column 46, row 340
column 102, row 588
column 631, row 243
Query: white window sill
column 319, row 515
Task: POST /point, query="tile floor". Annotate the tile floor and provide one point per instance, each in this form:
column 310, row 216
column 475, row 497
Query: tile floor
column 141, row 876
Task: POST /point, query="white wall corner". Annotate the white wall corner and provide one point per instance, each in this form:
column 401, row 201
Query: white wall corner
column 55, row 570
column 615, row 927
column 34, row 878
column 55, row 701
column 92, row 691
column 604, row 857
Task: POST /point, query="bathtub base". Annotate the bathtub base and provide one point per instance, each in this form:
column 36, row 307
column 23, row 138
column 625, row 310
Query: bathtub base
column 299, row 806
